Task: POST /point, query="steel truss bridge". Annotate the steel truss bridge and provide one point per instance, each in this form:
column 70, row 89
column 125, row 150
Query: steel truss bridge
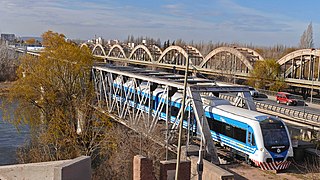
column 132, row 106
column 300, row 68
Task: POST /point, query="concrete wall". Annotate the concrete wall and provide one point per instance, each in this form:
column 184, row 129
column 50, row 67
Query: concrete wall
column 210, row 171
column 79, row 168
column 168, row 169
column 143, row 170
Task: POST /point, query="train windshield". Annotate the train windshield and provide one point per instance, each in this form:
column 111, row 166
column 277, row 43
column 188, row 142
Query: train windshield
column 274, row 133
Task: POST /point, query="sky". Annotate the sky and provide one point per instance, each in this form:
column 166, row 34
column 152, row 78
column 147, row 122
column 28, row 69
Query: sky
column 257, row 22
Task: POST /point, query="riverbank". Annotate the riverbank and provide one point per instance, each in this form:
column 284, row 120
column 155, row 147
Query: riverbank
column 4, row 88
column 11, row 138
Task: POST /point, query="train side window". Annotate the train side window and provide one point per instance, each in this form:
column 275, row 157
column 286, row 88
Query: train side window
column 229, row 130
column 219, row 127
column 214, row 125
column 240, row 134
column 146, row 103
column 192, row 118
column 174, row 111
column 164, row 108
column 249, row 138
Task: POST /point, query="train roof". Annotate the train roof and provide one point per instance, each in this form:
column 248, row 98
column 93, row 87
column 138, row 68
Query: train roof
column 214, row 101
column 245, row 113
column 225, row 108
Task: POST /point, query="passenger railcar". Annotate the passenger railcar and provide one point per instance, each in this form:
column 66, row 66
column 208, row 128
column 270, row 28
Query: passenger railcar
column 260, row 138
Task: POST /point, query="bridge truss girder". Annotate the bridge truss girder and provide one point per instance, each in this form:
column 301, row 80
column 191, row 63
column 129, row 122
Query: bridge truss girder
column 119, row 101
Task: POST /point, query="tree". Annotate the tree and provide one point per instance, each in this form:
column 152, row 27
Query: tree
column 31, row 41
column 158, row 42
column 265, row 74
column 55, row 96
column 8, row 63
column 306, row 40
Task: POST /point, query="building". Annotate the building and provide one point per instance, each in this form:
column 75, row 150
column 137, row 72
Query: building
column 8, row 37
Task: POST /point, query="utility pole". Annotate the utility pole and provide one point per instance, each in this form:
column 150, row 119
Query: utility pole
column 181, row 119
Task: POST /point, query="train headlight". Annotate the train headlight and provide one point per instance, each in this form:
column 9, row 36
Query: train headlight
column 261, row 149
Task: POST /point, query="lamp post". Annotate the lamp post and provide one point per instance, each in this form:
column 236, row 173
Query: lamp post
column 311, row 90
column 181, row 118
column 312, row 61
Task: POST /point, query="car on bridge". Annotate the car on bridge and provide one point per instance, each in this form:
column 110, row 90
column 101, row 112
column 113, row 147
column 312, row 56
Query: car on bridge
column 253, row 92
column 287, row 98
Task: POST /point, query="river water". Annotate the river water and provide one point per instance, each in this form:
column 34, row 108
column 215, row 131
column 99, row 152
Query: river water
column 10, row 139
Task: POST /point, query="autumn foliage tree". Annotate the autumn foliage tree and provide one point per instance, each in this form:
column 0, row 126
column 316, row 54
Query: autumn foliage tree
column 55, row 93
column 266, row 75
column 30, row 41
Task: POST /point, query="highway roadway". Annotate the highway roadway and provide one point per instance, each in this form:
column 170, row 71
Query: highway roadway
column 307, row 115
column 308, row 108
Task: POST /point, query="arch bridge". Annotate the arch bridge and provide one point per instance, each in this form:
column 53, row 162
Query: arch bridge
column 221, row 61
column 300, row 68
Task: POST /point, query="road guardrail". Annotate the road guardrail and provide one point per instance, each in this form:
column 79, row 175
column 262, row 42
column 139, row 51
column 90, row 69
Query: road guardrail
column 302, row 115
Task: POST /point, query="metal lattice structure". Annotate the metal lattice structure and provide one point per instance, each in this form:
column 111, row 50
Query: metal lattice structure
column 126, row 92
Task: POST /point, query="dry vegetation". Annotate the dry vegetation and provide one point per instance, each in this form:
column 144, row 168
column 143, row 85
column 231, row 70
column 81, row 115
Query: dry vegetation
column 8, row 63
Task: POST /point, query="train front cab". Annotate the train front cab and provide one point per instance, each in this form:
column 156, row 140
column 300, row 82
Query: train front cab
column 277, row 150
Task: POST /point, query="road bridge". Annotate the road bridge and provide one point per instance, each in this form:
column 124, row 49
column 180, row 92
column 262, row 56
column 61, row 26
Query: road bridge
column 300, row 68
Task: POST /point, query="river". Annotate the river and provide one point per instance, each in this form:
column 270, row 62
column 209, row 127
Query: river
column 10, row 139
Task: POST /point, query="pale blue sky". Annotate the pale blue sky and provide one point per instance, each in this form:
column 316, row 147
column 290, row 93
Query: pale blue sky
column 260, row 22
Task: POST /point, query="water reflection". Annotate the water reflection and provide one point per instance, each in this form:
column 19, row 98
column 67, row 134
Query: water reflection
column 10, row 139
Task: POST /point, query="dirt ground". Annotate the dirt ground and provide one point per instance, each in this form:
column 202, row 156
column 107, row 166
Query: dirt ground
column 243, row 171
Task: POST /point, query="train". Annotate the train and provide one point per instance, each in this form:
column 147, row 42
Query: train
column 263, row 140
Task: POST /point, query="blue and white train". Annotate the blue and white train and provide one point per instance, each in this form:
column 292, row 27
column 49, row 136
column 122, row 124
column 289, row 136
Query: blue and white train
column 260, row 138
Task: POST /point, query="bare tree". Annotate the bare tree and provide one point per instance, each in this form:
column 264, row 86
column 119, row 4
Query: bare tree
column 127, row 144
column 8, row 63
column 306, row 40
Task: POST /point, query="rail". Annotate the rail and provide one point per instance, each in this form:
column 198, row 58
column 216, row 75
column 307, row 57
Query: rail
column 296, row 115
